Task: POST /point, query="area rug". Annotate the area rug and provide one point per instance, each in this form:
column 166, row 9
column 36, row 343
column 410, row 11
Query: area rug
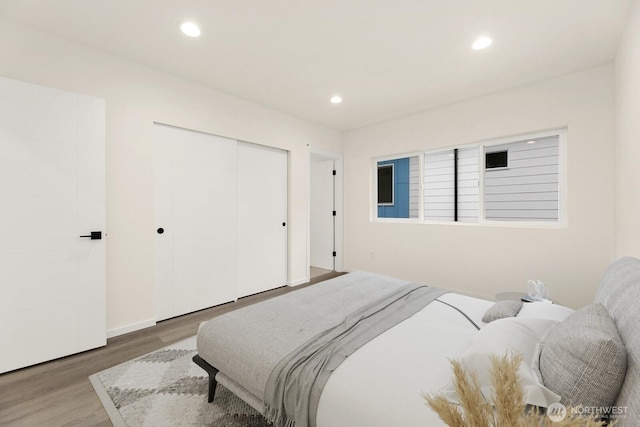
column 165, row 388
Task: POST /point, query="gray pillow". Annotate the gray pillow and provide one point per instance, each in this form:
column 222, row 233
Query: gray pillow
column 502, row 309
column 583, row 358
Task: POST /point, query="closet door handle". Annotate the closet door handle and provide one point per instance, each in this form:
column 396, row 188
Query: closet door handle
column 95, row 235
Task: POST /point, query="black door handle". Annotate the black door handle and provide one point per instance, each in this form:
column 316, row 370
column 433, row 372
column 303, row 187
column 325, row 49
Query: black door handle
column 95, row 235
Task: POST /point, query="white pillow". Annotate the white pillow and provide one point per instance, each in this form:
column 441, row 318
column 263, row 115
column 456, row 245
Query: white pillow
column 544, row 310
column 511, row 334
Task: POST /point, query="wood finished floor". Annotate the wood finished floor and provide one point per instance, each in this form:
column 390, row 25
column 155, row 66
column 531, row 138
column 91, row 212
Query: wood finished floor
column 58, row 393
column 317, row 271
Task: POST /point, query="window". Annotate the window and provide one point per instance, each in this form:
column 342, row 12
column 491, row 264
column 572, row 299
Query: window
column 529, row 189
column 516, row 179
column 451, row 185
column 385, row 184
column 495, row 159
column 398, row 187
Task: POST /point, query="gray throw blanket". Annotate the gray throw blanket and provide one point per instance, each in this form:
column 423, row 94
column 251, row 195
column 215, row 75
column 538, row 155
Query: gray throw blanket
column 294, row 386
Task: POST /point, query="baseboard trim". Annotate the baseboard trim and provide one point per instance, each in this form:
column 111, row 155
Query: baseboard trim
column 131, row 328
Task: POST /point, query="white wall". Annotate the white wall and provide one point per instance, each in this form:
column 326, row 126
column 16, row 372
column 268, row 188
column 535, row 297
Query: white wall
column 136, row 96
column 486, row 259
column 628, row 138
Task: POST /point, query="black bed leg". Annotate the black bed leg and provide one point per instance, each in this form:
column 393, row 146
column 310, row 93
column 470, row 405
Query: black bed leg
column 212, row 375
column 212, row 388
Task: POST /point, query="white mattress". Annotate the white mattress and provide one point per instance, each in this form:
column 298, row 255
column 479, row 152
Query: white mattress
column 380, row 385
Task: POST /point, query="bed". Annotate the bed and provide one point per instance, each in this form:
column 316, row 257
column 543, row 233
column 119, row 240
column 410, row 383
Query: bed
column 376, row 379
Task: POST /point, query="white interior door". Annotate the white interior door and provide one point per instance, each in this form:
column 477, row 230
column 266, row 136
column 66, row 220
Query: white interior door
column 322, row 221
column 262, row 218
column 52, row 191
column 195, row 183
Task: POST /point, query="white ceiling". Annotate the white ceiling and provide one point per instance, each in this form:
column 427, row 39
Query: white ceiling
column 387, row 58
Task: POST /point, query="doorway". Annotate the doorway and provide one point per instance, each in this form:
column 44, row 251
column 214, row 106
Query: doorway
column 325, row 214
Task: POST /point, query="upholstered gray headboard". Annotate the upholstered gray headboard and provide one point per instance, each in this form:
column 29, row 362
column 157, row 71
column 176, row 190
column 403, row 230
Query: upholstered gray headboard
column 619, row 292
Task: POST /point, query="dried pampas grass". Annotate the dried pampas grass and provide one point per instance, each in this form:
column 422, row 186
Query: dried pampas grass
column 509, row 408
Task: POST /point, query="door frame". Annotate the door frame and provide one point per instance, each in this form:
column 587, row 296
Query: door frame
column 338, row 160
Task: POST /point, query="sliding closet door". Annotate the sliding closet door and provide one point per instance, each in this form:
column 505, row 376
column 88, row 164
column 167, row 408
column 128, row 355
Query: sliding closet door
column 262, row 218
column 196, row 220
column 52, row 192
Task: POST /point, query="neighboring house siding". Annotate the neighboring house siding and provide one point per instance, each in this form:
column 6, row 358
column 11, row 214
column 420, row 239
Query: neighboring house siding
column 468, row 189
column 528, row 188
column 400, row 207
column 414, row 187
column 438, row 186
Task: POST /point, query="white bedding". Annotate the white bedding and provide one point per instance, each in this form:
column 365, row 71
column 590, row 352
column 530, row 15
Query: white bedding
column 380, row 385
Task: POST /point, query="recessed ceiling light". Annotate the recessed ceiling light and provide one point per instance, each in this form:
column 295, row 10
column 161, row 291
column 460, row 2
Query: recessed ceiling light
column 190, row 29
column 481, row 43
column 531, row 142
column 336, row 99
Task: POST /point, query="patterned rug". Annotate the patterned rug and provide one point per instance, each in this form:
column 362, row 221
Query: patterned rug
column 165, row 388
